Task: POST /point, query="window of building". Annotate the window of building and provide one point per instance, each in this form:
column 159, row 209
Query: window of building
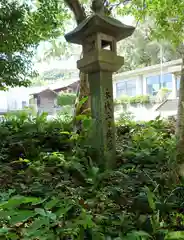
column 131, row 88
column 24, row 104
column 166, row 81
column 154, row 83
column 120, row 89
column 126, row 88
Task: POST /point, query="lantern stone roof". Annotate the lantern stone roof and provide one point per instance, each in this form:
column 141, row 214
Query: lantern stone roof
column 98, row 23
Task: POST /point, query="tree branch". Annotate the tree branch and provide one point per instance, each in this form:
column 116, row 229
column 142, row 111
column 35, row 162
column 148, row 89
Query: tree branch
column 77, row 9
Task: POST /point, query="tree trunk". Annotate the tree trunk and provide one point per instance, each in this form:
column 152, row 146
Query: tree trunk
column 83, row 91
column 80, row 15
column 180, row 123
column 77, row 10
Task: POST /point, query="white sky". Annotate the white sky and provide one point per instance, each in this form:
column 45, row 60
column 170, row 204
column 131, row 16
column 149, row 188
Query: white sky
column 70, row 64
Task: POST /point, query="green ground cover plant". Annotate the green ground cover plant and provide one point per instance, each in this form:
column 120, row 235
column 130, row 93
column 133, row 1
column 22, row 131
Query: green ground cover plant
column 52, row 187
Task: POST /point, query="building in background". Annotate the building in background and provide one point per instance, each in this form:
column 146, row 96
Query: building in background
column 41, row 98
column 45, row 99
column 148, row 81
column 143, row 81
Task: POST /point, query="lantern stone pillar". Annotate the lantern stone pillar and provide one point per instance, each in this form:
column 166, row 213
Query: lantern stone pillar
column 98, row 36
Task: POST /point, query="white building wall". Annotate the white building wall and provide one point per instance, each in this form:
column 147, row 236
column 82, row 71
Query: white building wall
column 16, row 96
column 141, row 112
column 47, row 102
column 144, row 86
column 174, row 86
column 13, row 98
column 139, row 85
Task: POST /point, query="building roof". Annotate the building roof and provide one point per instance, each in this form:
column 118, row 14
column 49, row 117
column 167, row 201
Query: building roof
column 54, row 87
column 171, row 66
column 47, row 90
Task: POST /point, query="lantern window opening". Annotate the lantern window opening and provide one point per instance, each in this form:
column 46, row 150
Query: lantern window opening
column 106, row 45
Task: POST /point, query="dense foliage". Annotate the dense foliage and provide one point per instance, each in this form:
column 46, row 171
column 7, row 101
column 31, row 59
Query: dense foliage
column 65, row 99
column 53, row 188
column 53, row 75
column 141, row 49
column 168, row 17
column 169, row 25
column 142, row 99
column 23, row 26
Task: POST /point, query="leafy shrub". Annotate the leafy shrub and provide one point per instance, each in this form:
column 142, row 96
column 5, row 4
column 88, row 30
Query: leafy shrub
column 142, row 99
column 123, row 100
column 65, row 99
column 60, row 191
column 25, row 135
column 125, row 118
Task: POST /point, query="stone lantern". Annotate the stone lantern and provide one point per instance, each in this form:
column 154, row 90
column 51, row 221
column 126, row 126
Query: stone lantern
column 98, row 35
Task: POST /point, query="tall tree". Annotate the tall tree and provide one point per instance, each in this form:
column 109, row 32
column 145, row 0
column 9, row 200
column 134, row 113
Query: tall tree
column 169, row 22
column 54, row 49
column 141, row 50
column 80, row 14
column 22, row 28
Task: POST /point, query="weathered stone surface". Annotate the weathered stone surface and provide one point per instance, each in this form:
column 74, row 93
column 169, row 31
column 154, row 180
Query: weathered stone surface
column 102, row 110
column 104, row 60
column 102, row 24
column 95, row 34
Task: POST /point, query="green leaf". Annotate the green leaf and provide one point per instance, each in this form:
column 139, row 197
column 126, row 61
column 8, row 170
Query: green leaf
column 6, row 214
column 4, row 230
column 81, row 117
column 51, row 215
column 18, row 200
column 41, row 211
column 87, row 123
column 175, row 235
column 85, row 220
column 65, row 99
column 38, row 223
column 33, row 200
column 23, row 215
column 137, row 235
column 12, row 236
column 63, row 210
column 41, row 234
column 65, row 133
column 82, row 101
column 150, row 197
column 12, row 202
column 52, row 203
